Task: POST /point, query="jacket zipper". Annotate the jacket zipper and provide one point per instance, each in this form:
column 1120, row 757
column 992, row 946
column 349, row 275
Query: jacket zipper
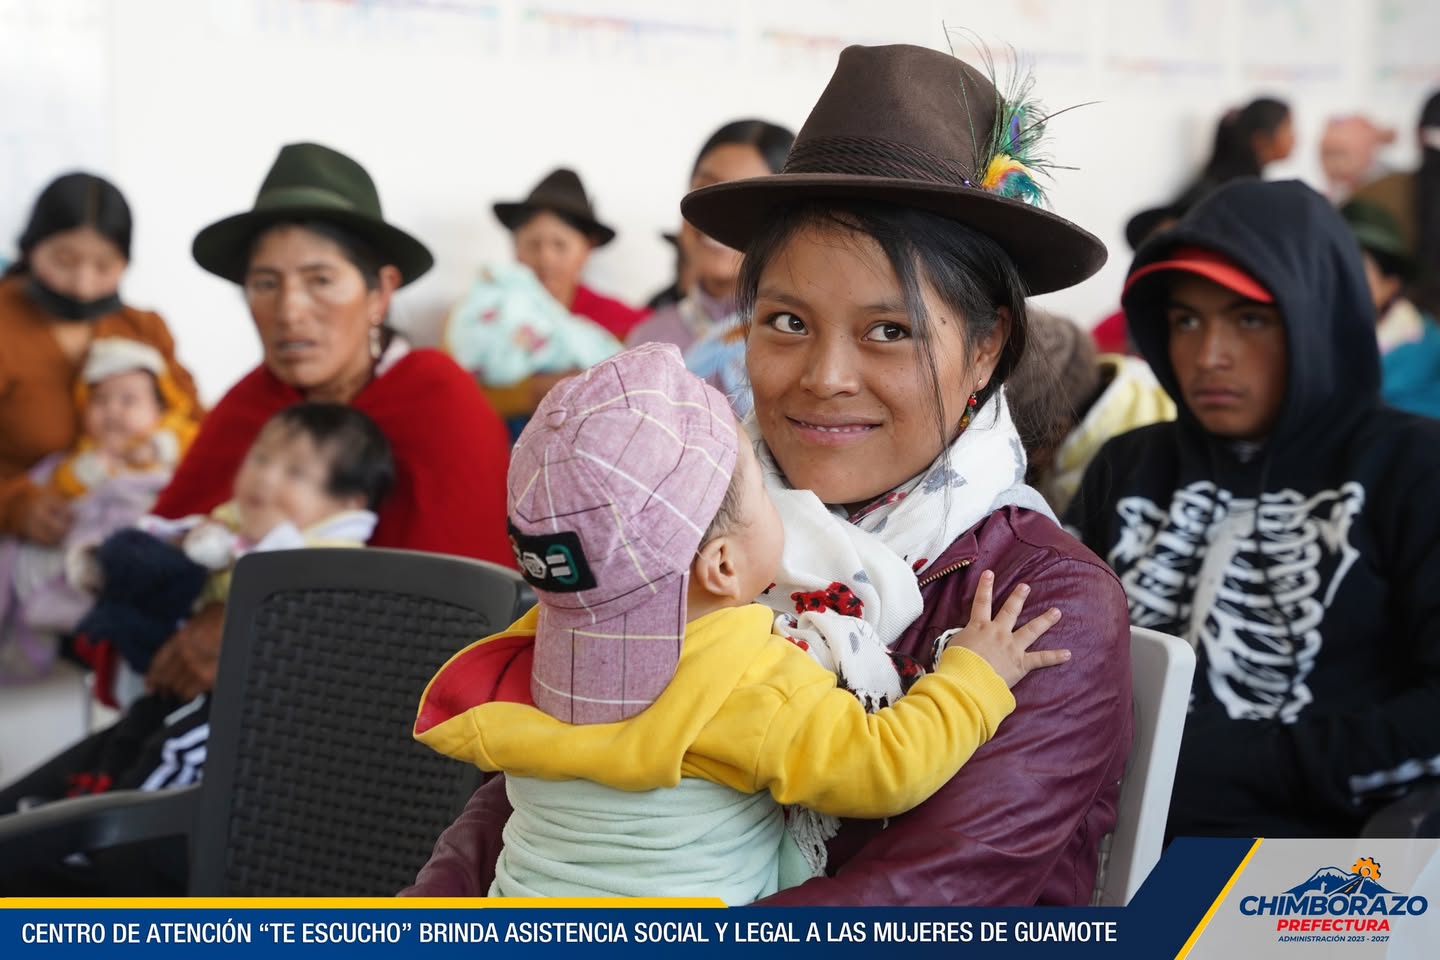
column 931, row 578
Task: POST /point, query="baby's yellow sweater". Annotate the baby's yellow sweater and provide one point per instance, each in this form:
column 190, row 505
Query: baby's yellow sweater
column 746, row 709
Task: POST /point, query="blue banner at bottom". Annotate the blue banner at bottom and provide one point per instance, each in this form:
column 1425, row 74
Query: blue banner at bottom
column 1195, row 897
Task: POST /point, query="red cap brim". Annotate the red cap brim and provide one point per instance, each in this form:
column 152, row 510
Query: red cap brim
column 1210, row 265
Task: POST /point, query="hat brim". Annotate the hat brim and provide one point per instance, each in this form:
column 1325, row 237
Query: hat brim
column 223, row 248
column 1139, row 227
column 1050, row 252
column 1377, row 239
column 513, row 215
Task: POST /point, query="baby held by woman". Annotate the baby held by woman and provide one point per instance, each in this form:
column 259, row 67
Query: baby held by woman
column 661, row 733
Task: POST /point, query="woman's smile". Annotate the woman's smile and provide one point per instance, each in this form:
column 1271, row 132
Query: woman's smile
column 831, row 431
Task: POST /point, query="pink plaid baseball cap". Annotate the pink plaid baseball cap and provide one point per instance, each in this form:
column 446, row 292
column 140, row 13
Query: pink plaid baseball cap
column 612, row 484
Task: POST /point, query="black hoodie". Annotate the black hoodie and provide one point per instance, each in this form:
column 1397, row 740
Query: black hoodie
column 1316, row 616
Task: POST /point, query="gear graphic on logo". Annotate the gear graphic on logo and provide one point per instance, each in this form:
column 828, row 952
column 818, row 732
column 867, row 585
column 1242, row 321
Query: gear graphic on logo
column 1367, row 867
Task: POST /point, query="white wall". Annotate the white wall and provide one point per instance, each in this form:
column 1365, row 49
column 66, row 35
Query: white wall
column 454, row 104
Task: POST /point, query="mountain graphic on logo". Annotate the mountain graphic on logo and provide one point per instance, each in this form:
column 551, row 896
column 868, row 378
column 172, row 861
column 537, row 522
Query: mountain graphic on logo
column 1328, row 880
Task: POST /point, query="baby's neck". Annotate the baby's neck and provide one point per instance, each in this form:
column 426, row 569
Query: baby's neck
column 701, row 603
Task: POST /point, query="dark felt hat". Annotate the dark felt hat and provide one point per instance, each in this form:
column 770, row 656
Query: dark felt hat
column 917, row 128
column 311, row 182
column 562, row 193
column 1139, row 227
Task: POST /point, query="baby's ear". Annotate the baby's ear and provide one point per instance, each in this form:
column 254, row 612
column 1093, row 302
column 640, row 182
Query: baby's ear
column 354, row 501
column 705, row 569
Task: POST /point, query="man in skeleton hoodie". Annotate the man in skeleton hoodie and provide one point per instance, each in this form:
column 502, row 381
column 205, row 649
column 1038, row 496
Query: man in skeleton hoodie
column 1283, row 525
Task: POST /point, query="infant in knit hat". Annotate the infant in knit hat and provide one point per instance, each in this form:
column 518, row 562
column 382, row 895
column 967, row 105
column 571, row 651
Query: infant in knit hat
column 650, row 722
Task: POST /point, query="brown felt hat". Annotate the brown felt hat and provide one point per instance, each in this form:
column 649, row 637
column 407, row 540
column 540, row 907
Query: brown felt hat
column 916, row 128
column 562, row 193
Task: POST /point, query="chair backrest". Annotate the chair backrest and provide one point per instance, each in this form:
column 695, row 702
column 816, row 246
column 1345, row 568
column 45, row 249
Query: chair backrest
column 313, row 784
column 1162, row 668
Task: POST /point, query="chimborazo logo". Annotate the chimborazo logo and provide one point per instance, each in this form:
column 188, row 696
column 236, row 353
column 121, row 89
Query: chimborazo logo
column 1336, row 901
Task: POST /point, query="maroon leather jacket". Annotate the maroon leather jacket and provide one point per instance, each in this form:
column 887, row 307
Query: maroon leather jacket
column 1021, row 823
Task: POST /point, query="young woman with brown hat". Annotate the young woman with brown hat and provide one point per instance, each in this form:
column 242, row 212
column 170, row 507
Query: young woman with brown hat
column 885, row 276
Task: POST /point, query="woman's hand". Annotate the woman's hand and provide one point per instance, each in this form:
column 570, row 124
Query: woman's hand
column 997, row 640
column 185, row 666
column 46, row 519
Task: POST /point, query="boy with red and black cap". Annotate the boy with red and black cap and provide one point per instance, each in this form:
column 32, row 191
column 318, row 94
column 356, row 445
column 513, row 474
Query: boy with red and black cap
column 1282, row 524
column 639, row 513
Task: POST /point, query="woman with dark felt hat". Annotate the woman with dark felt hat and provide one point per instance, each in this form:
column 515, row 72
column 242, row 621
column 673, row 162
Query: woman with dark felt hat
column 318, row 265
column 885, row 274
column 555, row 229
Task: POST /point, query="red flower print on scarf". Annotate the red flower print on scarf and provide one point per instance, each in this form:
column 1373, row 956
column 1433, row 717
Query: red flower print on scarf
column 837, row 597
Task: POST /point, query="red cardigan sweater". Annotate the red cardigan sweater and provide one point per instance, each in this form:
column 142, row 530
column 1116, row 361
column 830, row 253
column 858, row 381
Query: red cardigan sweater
column 451, row 455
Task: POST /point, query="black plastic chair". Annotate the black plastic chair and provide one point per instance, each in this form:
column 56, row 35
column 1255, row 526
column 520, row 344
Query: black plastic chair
column 313, row 785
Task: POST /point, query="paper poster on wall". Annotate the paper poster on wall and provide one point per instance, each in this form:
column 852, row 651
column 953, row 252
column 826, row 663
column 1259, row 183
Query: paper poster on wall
column 808, row 35
column 1407, row 45
column 1166, row 43
column 1050, row 36
column 629, row 32
column 1293, row 43
column 54, row 80
column 392, row 24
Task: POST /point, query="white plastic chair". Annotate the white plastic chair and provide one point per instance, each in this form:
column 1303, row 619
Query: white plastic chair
column 1162, row 668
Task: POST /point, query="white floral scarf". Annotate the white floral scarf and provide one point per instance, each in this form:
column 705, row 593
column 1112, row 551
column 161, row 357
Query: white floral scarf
column 848, row 587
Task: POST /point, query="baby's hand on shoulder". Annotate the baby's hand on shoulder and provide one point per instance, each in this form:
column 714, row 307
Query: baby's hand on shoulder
column 996, row 639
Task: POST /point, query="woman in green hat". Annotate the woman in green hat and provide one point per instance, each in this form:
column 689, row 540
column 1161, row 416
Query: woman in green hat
column 1409, row 336
column 318, row 265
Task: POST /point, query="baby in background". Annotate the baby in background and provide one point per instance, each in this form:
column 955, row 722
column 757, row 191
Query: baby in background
column 135, row 420
column 136, row 423
column 314, row 477
column 650, row 721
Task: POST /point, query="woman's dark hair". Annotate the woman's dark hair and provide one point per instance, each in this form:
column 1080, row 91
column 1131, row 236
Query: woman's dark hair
column 1234, row 152
column 76, row 200
column 1392, row 264
column 1427, row 198
column 361, row 462
column 356, row 250
column 771, row 140
column 966, row 269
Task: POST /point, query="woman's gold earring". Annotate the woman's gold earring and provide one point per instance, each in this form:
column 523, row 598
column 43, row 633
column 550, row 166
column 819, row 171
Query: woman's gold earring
column 375, row 341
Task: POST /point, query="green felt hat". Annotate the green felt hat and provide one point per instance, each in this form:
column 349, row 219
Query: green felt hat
column 311, row 182
column 1377, row 231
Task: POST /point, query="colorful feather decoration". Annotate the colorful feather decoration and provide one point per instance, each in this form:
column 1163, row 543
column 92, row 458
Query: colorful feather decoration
column 1008, row 177
column 1012, row 158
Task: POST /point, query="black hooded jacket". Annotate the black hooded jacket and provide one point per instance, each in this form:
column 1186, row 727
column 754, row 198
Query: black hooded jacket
column 1307, row 572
